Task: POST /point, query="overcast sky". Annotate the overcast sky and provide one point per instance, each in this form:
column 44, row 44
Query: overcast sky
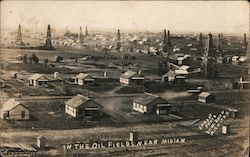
column 197, row 16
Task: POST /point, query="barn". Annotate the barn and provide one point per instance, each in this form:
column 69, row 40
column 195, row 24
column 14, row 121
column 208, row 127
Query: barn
column 151, row 104
column 206, row 97
column 83, row 79
column 131, row 77
column 14, row 110
column 81, row 106
column 38, row 80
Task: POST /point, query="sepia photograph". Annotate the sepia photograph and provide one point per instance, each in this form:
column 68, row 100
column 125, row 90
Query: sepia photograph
column 132, row 78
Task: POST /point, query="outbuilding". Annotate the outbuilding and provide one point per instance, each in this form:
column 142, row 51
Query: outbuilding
column 206, row 97
column 14, row 110
column 169, row 76
column 1, row 82
column 83, row 79
column 244, row 82
column 131, row 77
column 81, row 106
column 38, row 80
column 151, row 104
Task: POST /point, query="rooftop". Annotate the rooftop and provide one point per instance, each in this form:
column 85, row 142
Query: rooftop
column 204, row 94
column 37, row 76
column 147, row 98
column 82, row 76
column 128, row 74
column 10, row 104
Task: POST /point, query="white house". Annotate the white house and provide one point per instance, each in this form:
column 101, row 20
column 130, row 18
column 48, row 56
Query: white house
column 38, row 80
column 131, row 77
column 83, row 79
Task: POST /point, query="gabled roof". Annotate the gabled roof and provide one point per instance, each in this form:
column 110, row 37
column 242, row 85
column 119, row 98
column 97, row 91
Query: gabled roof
column 10, row 104
column 184, row 67
column 128, row 74
column 82, row 76
column 78, row 100
column 37, row 77
column 181, row 72
column 147, row 98
column 205, row 94
column 170, row 73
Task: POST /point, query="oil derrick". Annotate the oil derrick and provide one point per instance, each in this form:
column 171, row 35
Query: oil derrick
column 200, row 43
column 48, row 44
column 86, row 32
column 222, row 39
column 19, row 40
column 245, row 40
column 166, row 42
column 81, row 36
column 208, row 63
column 219, row 43
column 118, row 44
column 248, row 58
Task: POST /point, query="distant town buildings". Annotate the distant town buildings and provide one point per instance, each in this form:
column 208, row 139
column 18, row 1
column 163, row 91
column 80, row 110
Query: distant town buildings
column 14, row 110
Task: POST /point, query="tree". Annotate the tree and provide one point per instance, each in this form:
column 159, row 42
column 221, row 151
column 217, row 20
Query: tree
column 45, row 62
column 25, row 59
column 162, row 68
column 34, row 58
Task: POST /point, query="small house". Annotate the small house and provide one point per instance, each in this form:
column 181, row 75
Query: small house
column 14, row 110
column 81, row 106
column 83, row 79
column 38, row 80
column 41, row 142
column 206, row 97
column 131, row 77
column 151, row 104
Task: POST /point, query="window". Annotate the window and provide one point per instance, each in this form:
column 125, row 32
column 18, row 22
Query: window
column 22, row 114
column 145, row 108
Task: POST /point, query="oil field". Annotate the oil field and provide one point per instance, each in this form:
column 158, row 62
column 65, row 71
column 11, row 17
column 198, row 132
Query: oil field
column 92, row 91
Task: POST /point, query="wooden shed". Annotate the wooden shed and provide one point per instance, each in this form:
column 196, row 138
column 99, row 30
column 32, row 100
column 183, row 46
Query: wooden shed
column 14, row 110
column 206, row 97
